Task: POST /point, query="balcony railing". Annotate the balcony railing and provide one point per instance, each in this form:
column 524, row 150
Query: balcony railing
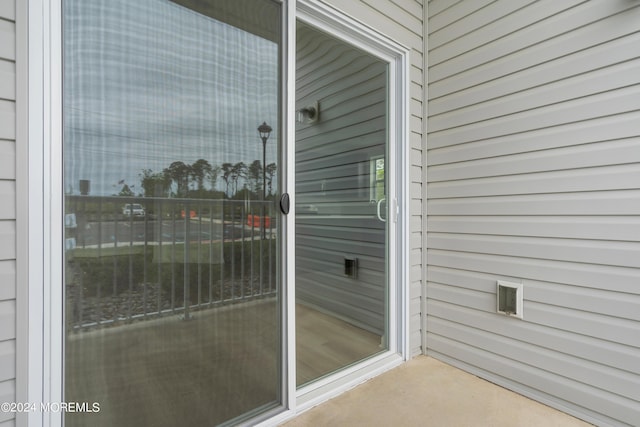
column 165, row 256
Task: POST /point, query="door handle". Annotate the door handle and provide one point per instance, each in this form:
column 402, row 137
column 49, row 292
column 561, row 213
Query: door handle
column 378, row 210
column 284, row 203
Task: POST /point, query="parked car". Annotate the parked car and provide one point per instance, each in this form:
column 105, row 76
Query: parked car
column 133, row 209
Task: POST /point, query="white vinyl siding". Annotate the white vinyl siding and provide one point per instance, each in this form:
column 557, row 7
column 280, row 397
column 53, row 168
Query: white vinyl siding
column 7, row 207
column 402, row 21
column 533, row 176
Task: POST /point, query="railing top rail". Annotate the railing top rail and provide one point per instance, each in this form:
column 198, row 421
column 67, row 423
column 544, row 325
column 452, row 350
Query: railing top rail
column 168, row 200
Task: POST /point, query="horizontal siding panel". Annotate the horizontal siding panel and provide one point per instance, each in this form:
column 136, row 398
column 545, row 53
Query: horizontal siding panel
column 585, row 61
column 534, row 177
column 8, row 9
column 369, row 298
column 585, row 347
column 345, row 246
column 8, row 159
column 606, row 302
column 371, row 272
column 7, row 360
column 360, row 135
column 415, row 108
column 342, row 197
column 443, row 13
column 369, row 106
column 557, row 25
column 352, row 183
column 622, row 126
column 415, row 291
column 592, row 228
column 7, row 280
column 347, row 221
column 7, row 199
column 593, row 83
column 617, row 279
column 594, row 155
column 583, row 109
column 7, row 80
column 365, row 291
column 553, row 38
column 597, row 301
column 481, row 301
column 331, row 91
column 334, row 207
column 416, row 88
column 606, row 328
column 7, row 208
column 415, row 339
column 588, row 179
column 366, row 318
column 622, row 254
column 622, row 331
column 331, row 63
column 380, row 22
column 493, row 22
column 583, row 371
column 590, row 399
column 363, row 235
column 8, row 37
column 358, row 123
column 7, row 119
column 416, row 140
column 415, row 7
column 7, row 394
column 8, row 239
column 412, row 22
column 332, row 261
column 416, row 61
column 415, row 257
column 7, row 320
column 625, row 202
column 370, row 269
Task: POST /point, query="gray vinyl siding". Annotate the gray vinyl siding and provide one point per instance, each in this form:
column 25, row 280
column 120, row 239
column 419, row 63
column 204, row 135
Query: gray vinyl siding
column 7, row 207
column 403, row 21
column 333, row 175
column 533, row 176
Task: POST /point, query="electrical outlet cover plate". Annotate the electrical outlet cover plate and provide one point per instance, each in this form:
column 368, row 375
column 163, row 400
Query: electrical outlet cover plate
column 509, row 298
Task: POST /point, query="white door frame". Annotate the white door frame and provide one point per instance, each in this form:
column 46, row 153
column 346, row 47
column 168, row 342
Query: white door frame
column 39, row 367
column 353, row 32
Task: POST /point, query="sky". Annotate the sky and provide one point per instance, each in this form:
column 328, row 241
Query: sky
column 149, row 82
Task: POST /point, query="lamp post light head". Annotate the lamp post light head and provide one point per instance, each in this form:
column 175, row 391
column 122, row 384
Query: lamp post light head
column 264, row 130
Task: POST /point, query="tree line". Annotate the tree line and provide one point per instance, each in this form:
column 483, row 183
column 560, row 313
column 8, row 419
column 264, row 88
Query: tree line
column 200, row 180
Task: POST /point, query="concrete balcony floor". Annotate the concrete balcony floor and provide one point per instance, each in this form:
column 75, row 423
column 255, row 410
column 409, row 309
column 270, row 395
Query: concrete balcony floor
column 427, row 392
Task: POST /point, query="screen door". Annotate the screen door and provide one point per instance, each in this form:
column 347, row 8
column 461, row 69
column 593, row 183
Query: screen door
column 172, row 139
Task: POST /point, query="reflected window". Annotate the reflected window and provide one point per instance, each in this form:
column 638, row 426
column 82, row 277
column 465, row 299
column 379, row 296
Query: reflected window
column 377, row 176
column 171, row 281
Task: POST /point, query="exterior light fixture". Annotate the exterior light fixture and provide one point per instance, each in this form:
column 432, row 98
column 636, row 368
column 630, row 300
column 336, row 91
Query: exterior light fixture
column 264, row 130
column 308, row 114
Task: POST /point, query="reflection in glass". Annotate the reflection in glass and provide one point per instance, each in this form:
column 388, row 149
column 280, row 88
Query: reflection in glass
column 341, row 210
column 171, row 240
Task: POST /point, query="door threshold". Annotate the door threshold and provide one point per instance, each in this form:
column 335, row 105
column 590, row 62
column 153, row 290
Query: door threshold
column 332, row 385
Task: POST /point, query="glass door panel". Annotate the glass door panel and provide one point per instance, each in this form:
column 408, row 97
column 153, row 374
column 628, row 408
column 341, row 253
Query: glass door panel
column 341, row 210
column 172, row 246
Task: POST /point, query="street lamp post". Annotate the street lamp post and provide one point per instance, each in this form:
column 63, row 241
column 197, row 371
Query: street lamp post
column 264, row 130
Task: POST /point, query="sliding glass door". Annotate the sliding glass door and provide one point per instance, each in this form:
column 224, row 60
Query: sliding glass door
column 178, row 255
column 342, row 221
column 172, row 138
